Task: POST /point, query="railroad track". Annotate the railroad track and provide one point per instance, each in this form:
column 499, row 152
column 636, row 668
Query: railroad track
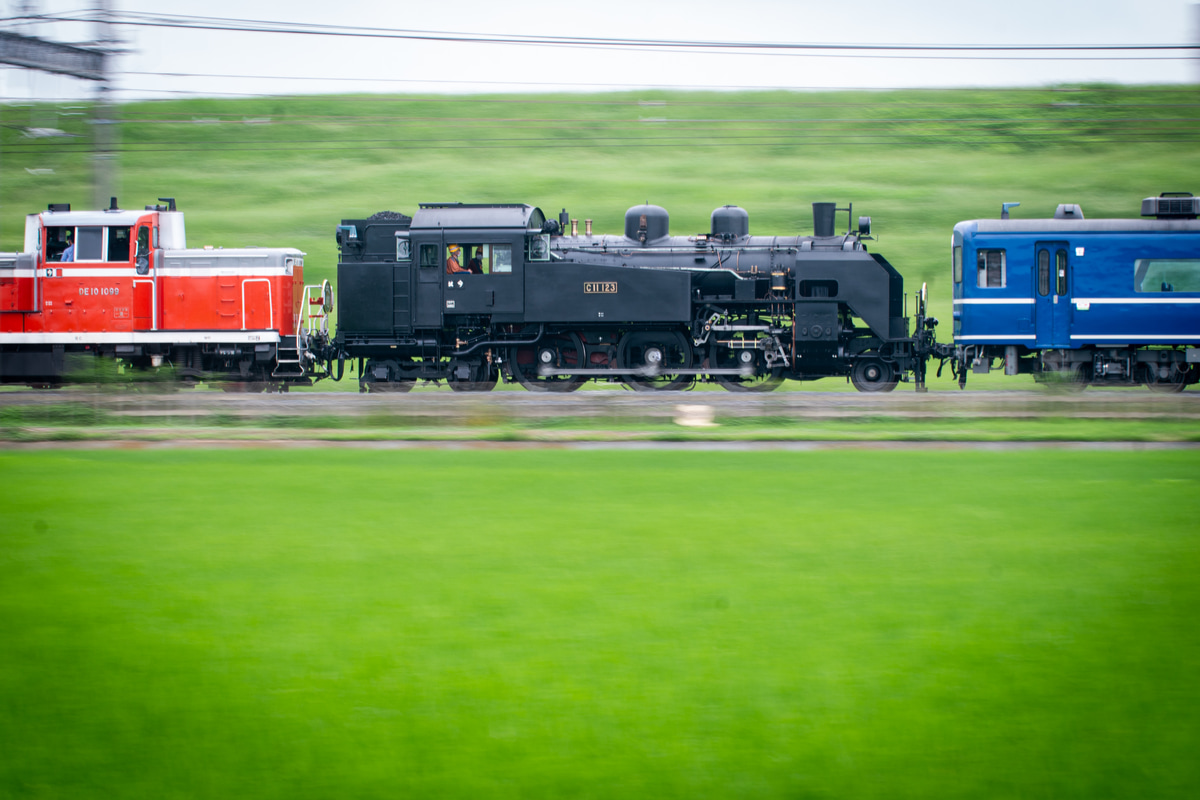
column 615, row 405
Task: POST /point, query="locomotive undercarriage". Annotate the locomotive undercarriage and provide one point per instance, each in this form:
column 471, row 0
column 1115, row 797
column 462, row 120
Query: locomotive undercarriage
column 749, row 349
column 1163, row 369
column 234, row 367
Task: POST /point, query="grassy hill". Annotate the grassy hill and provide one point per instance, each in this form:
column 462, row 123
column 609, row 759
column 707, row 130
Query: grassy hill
column 283, row 171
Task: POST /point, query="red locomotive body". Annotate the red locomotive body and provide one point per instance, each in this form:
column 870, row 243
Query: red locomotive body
column 123, row 284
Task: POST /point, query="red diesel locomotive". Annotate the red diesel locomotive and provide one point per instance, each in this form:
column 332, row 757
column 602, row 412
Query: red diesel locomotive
column 120, row 286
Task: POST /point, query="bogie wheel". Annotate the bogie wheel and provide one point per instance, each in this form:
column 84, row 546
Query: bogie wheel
column 659, row 351
column 873, row 375
column 482, row 378
column 1070, row 378
column 1174, row 382
column 381, row 377
column 761, row 379
column 557, row 351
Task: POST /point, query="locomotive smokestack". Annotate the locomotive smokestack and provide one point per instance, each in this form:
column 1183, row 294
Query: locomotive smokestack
column 823, row 214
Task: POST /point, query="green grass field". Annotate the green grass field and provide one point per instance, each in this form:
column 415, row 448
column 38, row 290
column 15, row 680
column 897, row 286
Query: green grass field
column 250, row 623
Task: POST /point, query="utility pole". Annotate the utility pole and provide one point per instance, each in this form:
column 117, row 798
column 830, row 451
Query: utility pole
column 87, row 63
column 1196, row 41
column 103, row 111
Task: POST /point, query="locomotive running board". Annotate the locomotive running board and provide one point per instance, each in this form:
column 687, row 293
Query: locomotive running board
column 641, row 372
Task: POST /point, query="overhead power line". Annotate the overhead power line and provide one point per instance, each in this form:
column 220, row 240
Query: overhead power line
column 227, row 24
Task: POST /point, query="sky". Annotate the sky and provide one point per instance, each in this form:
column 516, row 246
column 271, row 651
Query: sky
column 166, row 62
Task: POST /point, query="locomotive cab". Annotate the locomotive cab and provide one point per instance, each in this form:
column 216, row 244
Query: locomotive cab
column 122, row 284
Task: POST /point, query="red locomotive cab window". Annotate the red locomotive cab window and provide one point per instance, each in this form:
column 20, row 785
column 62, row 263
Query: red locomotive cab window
column 142, row 255
column 118, row 244
column 57, row 240
column 89, row 243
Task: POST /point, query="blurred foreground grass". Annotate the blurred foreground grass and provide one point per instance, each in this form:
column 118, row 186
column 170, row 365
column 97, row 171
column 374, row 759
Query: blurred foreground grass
column 638, row 624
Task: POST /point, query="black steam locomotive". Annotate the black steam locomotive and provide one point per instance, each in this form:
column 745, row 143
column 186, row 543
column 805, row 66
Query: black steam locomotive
column 466, row 293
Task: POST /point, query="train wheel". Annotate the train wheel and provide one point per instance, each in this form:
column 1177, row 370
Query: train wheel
column 873, row 375
column 658, row 352
column 762, row 379
column 381, row 376
column 1069, row 378
column 482, row 378
column 1174, row 382
column 558, row 351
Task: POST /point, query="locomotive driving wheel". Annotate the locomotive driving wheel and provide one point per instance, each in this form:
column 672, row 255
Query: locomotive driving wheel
column 873, row 375
column 755, row 375
column 655, row 355
column 528, row 364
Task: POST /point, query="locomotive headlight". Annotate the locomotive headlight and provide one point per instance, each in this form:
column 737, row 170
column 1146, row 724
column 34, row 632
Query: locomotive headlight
column 864, row 226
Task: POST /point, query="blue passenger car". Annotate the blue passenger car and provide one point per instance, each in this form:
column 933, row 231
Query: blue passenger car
column 1106, row 302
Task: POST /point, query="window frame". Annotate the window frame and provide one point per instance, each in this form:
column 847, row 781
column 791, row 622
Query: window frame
column 1139, row 285
column 983, row 269
column 423, row 251
column 540, row 252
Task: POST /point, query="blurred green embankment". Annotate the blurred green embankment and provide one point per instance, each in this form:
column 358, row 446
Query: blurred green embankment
column 283, row 171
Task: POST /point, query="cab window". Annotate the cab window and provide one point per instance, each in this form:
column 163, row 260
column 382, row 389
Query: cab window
column 538, row 247
column 118, row 244
column 89, row 243
column 56, row 242
column 481, row 258
column 403, row 248
column 429, row 256
column 92, row 243
column 501, row 258
column 958, row 264
column 991, row 269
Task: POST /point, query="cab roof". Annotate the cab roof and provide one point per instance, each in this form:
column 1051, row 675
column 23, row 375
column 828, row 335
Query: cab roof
column 510, row 216
column 75, row 218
